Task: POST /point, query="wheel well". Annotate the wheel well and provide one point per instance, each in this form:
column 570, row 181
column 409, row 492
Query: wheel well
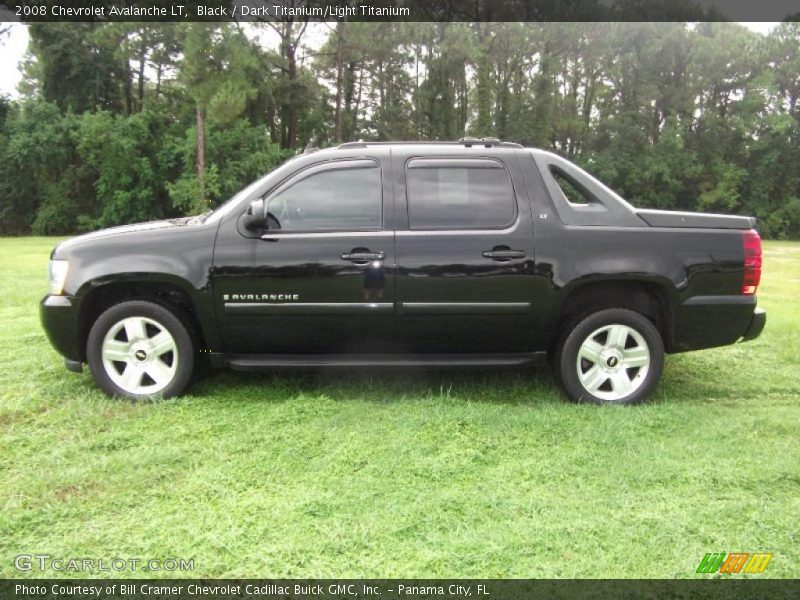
column 104, row 297
column 648, row 299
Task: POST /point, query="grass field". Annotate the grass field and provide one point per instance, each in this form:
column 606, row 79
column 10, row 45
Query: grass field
column 404, row 474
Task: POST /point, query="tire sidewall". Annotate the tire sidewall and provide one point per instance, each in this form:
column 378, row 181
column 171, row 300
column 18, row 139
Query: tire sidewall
column 141, row 308
column 580, row 329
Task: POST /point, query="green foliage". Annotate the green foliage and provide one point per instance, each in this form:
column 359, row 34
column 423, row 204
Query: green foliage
column 43, row 185
column 190, row 195
column 673, row 116
column 725, row 195
column 72, row 69
column 789, row 215
column 237, row 153
column 214, row 70
column 129, row 180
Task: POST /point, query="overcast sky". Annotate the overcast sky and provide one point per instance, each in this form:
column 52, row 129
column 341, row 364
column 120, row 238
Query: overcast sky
column 14, row 45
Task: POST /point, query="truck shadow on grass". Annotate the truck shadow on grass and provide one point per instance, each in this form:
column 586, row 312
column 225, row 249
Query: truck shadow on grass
column 685, row 382
column 692, row 380
column 708, row 380
column 517, row 386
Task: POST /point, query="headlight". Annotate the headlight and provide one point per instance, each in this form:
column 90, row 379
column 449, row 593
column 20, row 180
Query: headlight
column 57, row 276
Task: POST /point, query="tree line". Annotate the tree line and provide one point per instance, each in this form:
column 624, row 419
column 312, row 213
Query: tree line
column 124, row 122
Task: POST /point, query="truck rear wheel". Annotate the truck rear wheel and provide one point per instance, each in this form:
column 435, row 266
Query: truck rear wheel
column 612, row 356
column 140, row 350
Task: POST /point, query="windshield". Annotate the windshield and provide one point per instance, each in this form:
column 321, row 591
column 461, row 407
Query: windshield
column 225, row 208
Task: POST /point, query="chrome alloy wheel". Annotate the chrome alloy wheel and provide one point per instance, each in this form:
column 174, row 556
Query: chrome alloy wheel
column 613, row 362
column 140, row 355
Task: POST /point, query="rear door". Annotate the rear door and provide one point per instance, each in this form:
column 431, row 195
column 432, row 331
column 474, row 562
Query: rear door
column 464, row 252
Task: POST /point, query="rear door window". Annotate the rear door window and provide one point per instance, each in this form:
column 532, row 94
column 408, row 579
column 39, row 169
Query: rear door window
column 459, row 194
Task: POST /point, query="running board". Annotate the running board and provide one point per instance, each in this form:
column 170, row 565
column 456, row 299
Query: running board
column 258, row 362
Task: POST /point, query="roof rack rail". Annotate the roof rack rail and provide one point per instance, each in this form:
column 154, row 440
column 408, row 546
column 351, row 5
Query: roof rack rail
column 358, row 144
column 467, row 142
column 487, row 142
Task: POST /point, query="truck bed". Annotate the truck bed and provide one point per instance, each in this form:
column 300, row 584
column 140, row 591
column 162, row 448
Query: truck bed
column 671, row 218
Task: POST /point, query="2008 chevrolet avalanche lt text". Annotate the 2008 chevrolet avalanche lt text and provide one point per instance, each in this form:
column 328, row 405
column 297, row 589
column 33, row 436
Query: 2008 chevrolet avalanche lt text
column 473, row 253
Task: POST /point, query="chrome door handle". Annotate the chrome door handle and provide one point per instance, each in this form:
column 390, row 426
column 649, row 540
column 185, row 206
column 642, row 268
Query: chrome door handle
column 503, row 254
column 363, row 256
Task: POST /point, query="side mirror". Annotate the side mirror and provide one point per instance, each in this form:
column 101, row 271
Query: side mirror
column 256, row 216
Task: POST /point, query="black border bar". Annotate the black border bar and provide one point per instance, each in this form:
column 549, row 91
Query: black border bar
column 399, row 10
column 731, row 587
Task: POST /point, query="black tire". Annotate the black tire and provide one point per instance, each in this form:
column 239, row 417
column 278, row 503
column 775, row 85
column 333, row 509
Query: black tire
column 607, row 373
column 156, row 316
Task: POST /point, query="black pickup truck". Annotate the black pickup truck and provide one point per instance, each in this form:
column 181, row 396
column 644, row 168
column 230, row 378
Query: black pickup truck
column 471, row 253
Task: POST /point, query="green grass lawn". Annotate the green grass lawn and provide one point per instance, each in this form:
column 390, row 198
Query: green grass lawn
column 404, row 474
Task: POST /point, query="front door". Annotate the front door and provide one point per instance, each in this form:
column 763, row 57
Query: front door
column 465, row 278
column 321, row 278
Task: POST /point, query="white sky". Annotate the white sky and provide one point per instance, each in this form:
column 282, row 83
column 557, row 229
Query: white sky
column 12, row 48
column 14, row 45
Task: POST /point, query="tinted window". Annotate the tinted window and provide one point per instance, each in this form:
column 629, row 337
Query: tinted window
column 459, row 197
column 346, row 198
column 572, row 192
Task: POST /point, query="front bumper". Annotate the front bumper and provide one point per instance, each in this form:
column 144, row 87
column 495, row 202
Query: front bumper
column 756, row 325
column 61, row 323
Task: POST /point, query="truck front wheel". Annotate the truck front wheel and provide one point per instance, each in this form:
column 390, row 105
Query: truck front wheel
column 612, row 356
column 140, row 350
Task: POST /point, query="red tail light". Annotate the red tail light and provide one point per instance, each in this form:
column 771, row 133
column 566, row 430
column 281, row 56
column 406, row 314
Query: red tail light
column 752, row 261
